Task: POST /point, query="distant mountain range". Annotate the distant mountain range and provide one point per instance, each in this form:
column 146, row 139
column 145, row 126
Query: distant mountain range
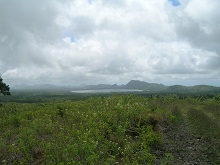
column 142, row 85
column 133, row 84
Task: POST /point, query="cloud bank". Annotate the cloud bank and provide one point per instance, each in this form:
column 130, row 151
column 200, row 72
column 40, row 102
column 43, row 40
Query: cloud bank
column 90, row 42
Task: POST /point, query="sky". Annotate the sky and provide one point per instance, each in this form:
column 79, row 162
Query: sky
column 75, row 42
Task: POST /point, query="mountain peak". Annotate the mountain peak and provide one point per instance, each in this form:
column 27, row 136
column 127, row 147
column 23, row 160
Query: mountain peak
column 142, row 85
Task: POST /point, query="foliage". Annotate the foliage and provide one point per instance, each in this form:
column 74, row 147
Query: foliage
column 100, row 130
column 205, row 123
column 167, row 159
column 4, row 89
column 117, row 129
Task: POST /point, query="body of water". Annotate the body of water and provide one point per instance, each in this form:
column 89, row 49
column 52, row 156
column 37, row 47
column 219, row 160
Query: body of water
column 107, row 91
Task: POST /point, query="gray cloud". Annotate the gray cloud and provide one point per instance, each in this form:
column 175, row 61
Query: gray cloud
column 198, row 22
column 76, row 42
column 26, row 28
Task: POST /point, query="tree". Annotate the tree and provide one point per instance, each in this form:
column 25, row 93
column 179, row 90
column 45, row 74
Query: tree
column 4, row 89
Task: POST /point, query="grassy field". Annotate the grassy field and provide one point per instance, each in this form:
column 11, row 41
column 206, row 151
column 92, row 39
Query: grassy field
column 115, row 129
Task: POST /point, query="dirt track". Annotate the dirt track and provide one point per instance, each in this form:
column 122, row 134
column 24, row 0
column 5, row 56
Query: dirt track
column 185, row 148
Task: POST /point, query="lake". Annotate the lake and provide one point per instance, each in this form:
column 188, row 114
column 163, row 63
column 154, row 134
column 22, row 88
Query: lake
column 107, row 91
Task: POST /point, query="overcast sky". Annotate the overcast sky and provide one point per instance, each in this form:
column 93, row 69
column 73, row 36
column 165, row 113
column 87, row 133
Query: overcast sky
column 74, row 42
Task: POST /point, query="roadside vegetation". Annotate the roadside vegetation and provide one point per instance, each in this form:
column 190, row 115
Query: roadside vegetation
column 115, row 129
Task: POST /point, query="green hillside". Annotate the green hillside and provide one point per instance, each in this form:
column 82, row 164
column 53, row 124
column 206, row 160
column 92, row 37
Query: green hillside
column 142, row 85
column 116, row 129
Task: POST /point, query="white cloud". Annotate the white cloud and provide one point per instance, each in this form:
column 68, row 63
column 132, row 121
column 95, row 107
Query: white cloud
column 77, row 42
column 199, row 23
column 203, row 10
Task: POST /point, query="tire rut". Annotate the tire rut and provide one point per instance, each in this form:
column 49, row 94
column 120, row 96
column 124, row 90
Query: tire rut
column 186, row 148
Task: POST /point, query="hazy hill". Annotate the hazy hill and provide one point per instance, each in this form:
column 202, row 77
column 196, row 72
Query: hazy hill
column 101, row 86
column 133, row 84
column 190, row 89
column 40, row 86
column 142, row 85
column 177, row 88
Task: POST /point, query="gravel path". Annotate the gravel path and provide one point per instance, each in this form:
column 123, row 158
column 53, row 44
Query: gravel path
column 185, row 148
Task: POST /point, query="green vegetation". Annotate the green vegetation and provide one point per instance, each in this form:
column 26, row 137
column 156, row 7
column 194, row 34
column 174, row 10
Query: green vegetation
column 4, row 89
column 116, row 129
column 205, row 123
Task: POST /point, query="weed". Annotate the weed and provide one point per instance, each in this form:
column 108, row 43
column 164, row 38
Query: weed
column 118, row 129
column 205, row 126
column 16, row 122
column 168, row 159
